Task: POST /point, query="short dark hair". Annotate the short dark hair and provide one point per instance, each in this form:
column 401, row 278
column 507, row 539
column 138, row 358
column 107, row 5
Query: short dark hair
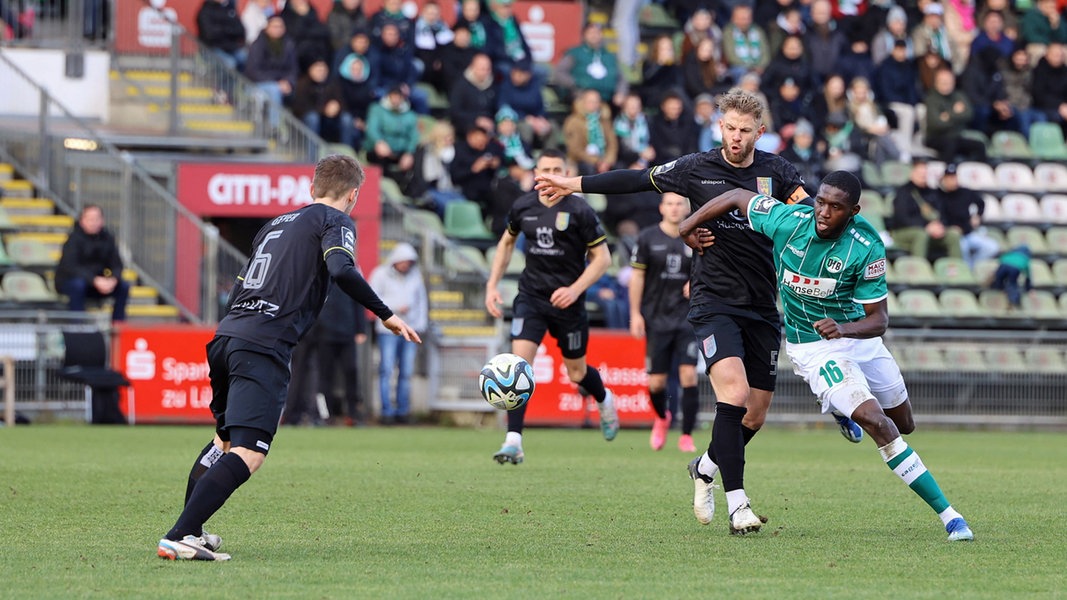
column 552, row 153
column 846, row 182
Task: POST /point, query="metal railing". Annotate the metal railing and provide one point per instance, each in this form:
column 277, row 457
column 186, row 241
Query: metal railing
column 71, row 164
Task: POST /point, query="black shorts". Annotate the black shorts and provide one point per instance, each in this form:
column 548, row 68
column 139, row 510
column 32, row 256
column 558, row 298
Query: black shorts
column 752, row 337
column 249, row 384
column 665, row 347
column 533, row 316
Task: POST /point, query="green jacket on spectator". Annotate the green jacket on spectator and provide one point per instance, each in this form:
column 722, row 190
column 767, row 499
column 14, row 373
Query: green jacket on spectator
column 586, row 73
column 1035, row 28
column 397, row 125
column 942, row 118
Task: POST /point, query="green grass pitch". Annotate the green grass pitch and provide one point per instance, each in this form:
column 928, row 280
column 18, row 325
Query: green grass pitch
column 425, row 513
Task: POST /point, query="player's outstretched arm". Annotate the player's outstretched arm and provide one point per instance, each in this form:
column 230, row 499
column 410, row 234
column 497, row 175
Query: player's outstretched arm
column 619, row 181
column 873, row 324
column 698, row 238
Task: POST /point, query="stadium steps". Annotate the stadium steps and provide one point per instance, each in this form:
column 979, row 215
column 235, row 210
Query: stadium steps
column 140, row 97
column 28, row 206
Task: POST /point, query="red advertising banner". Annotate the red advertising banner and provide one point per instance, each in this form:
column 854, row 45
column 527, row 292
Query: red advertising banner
column 267, row 190
column 549, row 27
column 619, row 357
column 168, row 373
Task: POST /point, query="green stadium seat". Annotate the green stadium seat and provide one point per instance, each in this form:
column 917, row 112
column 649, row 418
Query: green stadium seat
column 6, row 224
column 5, row 260
column 1029, row 236
column 466, row 259
column 463, row 221
column 1063, row 304
column 984, row 270
column 391, row 191
column 1010, row 144
column 872, row 175
column 919, row 303
column 895, row 173
column 598, row 202
column 1046, row 141
column 30, row 252
column 954, row 272
column 418, row 222
column 914, row 270
column 892, row 304
column 872, row 201
column 1056, row 238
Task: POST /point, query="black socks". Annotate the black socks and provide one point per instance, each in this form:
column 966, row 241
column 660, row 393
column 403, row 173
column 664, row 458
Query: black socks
column 209, row 494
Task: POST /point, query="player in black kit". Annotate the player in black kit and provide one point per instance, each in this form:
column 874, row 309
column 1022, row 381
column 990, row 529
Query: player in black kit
column 561, row 234
column 275, row 300
column 659, row 302
column 732, row 289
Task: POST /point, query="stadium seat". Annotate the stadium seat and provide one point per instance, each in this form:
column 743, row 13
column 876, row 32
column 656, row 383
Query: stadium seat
column 466, row 259
column 1046, row 140
column 1010, row 144
column 515, row 265
column 30, row 252
column 872, row 201
column 891, row 304
column 1015, row 177
column 1004, row 358
column 391, row 192
column 1041, row 274
column 960, row 304
column 1054, row 208
column 914, row 270
column 977, row 176
column 1043, row 359
column 1029, row 236
column 1051, row 176
column 1041, row 304
column 872, row 175
column 895, row 173
column 1059, row 272
column 875, row 219
column 954, row 272
column 935, row 170
column 1020, row 208
column 463, row 221
column 993, row 302
column 509, row 288
column 923, row 357
column 919, row 303
column 984, row 270
column 965, row 358
column 24, row 286
column 418, row 222
column 1063, row 304
column 598, row 202
column 5, row 260
column 992, row 212
column 6, row 224
column 1056, row 237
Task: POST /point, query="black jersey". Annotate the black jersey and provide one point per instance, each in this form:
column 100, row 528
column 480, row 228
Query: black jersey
column 282, row 288
column 738, row 269
column 666, row 262
column 558, row 237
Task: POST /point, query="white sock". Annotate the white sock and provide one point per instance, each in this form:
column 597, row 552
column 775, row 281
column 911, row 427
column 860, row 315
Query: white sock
column 513, row 438
column 735, row 499
column 948, row 514
column 706, row 466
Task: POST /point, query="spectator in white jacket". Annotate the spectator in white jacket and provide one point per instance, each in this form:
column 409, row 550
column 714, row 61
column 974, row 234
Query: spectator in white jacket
column 398, row 282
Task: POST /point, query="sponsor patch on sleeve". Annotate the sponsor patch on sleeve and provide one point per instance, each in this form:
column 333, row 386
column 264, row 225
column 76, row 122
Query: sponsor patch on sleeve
column 875, row 270
column 761, row 204
column 348, row 239
column 663, row 168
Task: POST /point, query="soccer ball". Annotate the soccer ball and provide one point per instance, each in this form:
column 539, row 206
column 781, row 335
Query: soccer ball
column 506, row 381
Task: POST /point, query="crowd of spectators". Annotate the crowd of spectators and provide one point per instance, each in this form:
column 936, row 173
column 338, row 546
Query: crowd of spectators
column 844, row 81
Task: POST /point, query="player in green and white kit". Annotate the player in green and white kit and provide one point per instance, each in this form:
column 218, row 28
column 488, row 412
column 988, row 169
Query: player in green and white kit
column 830, row 265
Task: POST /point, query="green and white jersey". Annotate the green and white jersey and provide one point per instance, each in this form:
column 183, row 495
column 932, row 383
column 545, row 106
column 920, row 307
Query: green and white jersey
column 819, row 278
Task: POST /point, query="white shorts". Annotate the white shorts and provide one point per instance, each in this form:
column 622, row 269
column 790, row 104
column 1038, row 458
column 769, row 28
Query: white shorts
column 846, row 372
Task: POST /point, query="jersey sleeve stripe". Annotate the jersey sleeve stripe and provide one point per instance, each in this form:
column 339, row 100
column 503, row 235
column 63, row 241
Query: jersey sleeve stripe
column 598, row 241
column 341, row 248
column 653, row 180
column 871, row 300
